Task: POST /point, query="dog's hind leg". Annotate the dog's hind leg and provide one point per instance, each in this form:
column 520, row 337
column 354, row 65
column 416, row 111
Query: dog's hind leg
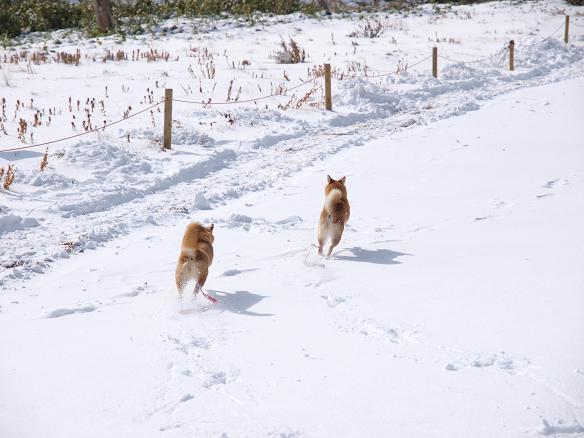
column 337, row 233
column 321, row 237
column 181, row 277
column 203, row 272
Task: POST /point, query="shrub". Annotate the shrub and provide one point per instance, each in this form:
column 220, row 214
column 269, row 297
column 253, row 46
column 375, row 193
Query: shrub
column 369, row 29
column 290, row 53
column 43, row 15
column 18, row 16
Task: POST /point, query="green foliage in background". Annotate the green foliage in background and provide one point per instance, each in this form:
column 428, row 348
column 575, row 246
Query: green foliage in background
column 18, row 16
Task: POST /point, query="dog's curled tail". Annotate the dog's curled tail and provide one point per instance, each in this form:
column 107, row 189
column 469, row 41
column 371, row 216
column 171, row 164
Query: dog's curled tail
column 332, row 202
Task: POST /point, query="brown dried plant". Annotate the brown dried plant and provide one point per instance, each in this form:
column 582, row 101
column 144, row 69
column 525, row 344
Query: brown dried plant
column 9, row 178
column 45, row 160
column 229, row 89
column 22, row 128
column 69, row 58
column 370, row 29
column 290, row 53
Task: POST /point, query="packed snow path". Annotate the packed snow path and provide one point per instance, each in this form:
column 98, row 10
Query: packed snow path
column 452, row 307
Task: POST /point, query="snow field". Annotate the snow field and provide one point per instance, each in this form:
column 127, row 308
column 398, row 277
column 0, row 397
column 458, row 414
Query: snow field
column 452, row 305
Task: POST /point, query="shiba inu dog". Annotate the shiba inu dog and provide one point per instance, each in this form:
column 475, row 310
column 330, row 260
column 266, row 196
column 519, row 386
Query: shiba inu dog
column 334, row 215
column 196, row 255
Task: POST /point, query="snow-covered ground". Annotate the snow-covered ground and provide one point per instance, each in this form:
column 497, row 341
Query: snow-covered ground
column 452, row 307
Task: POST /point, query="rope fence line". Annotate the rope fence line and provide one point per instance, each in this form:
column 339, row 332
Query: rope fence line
column 501, row 62
column 234, row 102
column 393, row 72
column 102, row 128
column 478, row 60
column 509, row 48
column 545, row 39
column 504, row 49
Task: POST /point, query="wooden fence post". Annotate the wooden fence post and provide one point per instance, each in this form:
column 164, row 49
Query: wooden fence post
column 328, row 97
column 511, row 55
column 167, row 118
column 435, row 62
column 567, row 29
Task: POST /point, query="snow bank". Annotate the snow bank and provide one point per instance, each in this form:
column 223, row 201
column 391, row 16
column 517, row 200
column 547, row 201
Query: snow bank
column 10, row 222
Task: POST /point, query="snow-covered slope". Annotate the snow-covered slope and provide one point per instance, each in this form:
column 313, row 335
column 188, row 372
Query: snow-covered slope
column 106, row 184
column 451, row 308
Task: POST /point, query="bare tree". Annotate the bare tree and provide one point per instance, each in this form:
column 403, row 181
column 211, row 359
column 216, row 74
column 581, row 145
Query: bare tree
column 103, row 12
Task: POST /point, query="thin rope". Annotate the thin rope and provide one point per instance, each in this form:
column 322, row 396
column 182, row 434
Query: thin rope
column 246, row 100
column 83, row 133
column 545, row 39
column 484, row 58
column 393, row 72
column 504, row 57
column 397, row 71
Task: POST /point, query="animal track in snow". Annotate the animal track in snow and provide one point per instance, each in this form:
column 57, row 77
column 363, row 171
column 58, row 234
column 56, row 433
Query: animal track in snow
column 560, row 428
column 352, row 323
column 552, row 185
column 395, row 335
column 418, row 229
column 214, row 379
column 145, row 288
column 333, row 301
column 192, row 342
column 483, row 218
column 57, row 313
column 555, row 183
column 245, row 222
column 499, row 203
column 498, row 360
column 186, row 397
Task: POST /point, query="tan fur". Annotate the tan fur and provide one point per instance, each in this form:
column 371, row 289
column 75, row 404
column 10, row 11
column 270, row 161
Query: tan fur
column 196, row 255
column 334, row 215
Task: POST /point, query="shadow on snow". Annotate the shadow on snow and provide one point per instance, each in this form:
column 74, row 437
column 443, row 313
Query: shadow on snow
column 377, row 256
column 238, row 302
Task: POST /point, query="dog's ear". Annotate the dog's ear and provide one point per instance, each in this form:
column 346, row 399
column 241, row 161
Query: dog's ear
column 329, row 179
column 211, row 227
column 342, row 180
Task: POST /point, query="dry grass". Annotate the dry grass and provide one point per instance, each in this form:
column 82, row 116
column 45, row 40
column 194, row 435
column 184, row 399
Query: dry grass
column 69, row 246
column 38, row 57
column 69, row 58
column 298, row 103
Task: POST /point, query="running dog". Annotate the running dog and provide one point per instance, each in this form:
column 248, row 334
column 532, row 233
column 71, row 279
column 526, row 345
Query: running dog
column 196, row 255
column 334, row 215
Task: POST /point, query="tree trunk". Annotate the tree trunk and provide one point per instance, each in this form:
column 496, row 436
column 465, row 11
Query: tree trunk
column 103, row 12
column 323, row 4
